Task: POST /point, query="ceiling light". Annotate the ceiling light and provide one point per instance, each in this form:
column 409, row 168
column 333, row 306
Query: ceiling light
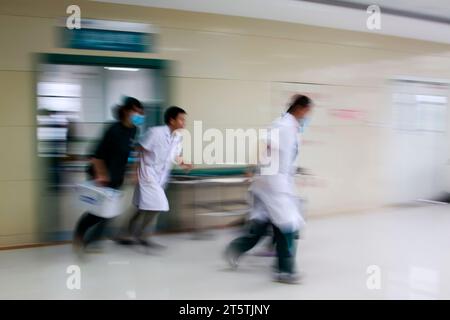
column 121, row 69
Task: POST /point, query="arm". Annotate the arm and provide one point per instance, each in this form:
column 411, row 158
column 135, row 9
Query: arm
column 282, row 146
column 100, row 171
column 101, row 174
column 135, row 166
column 185, row 166
column 179, row 159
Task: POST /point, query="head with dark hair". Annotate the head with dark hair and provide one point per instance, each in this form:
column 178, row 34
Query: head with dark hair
column 175, row 117
column 130, row 105
column 300, row 105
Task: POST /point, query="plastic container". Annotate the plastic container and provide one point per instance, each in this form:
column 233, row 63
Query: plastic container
column 100, row 201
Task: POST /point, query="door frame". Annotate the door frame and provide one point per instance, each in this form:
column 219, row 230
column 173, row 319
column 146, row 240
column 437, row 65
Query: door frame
column 163, row 66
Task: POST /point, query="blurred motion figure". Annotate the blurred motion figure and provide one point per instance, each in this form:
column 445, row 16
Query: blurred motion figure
column 160, row 148
column 108, row 165
column 274, row 199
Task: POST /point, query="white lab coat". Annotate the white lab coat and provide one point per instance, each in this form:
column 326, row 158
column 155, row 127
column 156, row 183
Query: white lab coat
column 161, row 149
column 275, row 192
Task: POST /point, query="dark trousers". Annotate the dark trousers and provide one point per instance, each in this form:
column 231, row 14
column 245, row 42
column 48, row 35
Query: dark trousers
column 90, row 228
column 284, row 243
column 140, row 221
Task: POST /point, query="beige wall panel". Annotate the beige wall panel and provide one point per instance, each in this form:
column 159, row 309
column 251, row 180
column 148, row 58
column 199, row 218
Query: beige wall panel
column 223, row 102
column 17, row 145
column 17, row 208
column 22, row 36
column 17, row 99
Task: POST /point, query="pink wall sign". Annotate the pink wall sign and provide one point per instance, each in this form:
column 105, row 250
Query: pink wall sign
column 347, row 114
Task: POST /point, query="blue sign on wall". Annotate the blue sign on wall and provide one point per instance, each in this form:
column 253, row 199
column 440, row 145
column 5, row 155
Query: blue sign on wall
column 109, row 35
column 94, row 39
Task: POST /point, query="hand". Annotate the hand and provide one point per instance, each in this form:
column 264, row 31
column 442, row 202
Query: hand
column 134, row 178
column 249, row 174
column 101, row 180
column 187, row 167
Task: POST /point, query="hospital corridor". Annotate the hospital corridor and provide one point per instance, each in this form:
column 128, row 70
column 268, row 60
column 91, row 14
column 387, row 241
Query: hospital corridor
column 229, row 154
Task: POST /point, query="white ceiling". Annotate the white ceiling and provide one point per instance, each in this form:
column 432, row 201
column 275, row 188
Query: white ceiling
column 326, row 15
column 435, row 8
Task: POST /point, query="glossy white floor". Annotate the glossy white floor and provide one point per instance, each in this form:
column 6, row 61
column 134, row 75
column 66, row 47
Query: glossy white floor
column 409, row 245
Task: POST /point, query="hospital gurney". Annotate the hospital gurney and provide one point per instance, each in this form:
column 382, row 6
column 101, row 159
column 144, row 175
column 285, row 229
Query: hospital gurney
column 203, row 206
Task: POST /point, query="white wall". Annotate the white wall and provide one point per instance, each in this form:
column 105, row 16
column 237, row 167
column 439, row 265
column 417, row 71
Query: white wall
column 139, row 84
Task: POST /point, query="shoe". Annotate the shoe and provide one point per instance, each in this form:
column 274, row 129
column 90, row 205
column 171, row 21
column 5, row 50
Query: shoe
column 232, row 258
column 287, row 278
column 126, row 241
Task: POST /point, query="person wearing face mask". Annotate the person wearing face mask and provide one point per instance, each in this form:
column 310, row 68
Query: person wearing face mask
column 160, row 149
column 108, row 166
column 275, row 204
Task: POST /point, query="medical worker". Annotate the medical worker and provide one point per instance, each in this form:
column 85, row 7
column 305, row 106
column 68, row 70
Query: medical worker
column 275, row 203
column 160, row 150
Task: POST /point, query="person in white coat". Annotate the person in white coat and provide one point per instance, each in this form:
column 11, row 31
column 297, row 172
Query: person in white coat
column 160, row 149
column 275, row 202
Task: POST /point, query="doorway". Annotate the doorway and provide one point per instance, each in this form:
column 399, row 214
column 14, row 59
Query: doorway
column 75, row 101
column 420, row 139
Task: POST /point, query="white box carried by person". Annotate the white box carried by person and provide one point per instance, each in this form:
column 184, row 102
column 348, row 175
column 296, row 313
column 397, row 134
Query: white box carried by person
column 100, row 201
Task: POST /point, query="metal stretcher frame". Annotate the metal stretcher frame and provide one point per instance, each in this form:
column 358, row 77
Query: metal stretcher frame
column 214, row 208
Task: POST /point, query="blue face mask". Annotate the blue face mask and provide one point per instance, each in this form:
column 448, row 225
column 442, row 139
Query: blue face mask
column 137, row 119
column 304, row 123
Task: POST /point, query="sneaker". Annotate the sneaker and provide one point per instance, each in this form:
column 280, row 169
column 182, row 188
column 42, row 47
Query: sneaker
column 287, row 278
column 232, row 258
